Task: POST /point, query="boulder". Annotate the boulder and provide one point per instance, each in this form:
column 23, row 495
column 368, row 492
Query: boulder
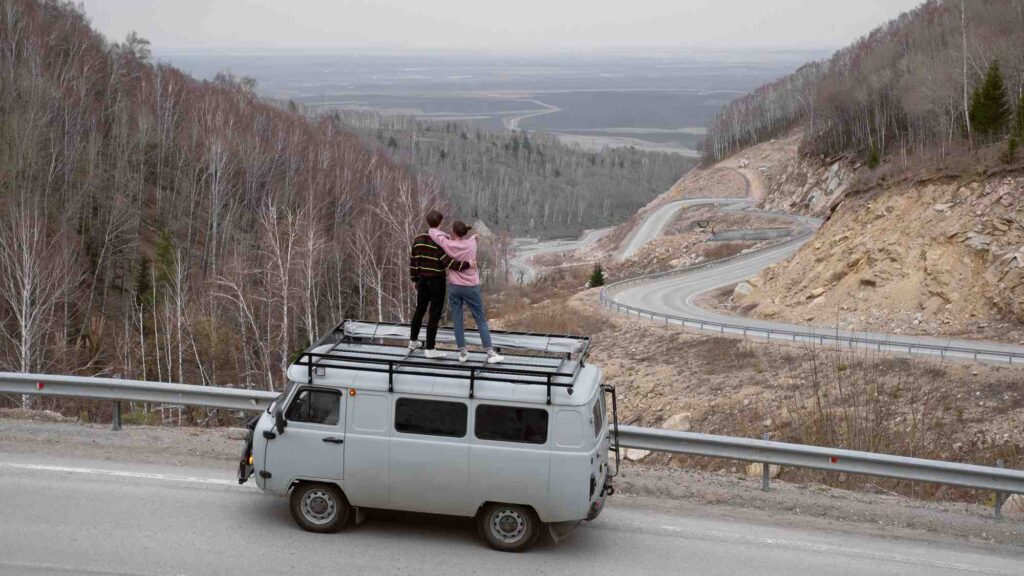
column 979, row 242
column 742, row 290
column 635, row 454
column 816, row 293
column 756, row 468
column 679, row 422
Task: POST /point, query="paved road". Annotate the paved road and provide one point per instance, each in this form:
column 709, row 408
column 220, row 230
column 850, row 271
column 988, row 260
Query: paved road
column 512, row 122
column 654, row 225
column 526, row 248
column 100, row 517
column 676, row 295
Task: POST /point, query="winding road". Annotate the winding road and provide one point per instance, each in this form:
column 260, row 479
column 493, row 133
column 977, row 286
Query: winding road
column 71, row 516
column 525, row 249
column 674, row 295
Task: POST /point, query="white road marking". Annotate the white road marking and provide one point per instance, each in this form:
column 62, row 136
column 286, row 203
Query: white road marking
column 827, row 549
column 121, row 474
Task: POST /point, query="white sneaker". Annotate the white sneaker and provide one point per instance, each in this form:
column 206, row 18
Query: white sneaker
column 493, row 357
column 435, row 354
column 463, row 355
column 415, row 344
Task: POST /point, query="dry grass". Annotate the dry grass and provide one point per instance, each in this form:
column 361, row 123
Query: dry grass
column 719, row 250
column 555, row 318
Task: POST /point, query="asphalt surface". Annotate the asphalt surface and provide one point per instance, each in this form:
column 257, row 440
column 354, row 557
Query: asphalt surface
column 676, row 295
column 101, row 517
column 526, row 248
column 653, row 226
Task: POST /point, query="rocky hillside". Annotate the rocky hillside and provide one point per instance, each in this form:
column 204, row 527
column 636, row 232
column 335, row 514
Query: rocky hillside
column 943, row 257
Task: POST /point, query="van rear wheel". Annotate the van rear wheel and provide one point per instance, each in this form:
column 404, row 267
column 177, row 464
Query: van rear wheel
column 509, row 527
column 320, row 507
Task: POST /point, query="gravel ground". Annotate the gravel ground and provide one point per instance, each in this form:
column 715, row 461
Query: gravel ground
column 665, row 489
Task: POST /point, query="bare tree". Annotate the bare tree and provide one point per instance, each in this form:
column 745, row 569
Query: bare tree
column 36, row 275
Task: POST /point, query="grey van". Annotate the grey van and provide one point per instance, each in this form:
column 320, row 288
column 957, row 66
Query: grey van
column 365, row 424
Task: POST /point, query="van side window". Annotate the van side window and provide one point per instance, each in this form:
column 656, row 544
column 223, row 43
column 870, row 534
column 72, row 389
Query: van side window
column 431, row 417
column 598, row 415
column 511, row 424
column 315, row 407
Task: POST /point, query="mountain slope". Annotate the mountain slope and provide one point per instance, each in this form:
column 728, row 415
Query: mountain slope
column 902, row 91
column 160, row 227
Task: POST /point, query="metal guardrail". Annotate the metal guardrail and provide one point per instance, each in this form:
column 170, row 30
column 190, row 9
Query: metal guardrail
column 117, row 389
column 809, row 336
column 818, row 458
column 1002, row 481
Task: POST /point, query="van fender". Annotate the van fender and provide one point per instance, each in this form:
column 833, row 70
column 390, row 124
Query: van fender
column 483, row 505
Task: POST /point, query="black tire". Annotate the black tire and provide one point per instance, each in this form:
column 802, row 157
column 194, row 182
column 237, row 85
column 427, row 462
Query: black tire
column 320, row 508
column 508, row 527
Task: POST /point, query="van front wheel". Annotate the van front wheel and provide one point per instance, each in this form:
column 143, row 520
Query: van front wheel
column 509, row 527
column 319, row 507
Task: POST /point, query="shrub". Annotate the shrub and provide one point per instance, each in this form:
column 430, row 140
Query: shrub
column 597, row 277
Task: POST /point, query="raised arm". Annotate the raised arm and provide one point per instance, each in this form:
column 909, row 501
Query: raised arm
column 441, row 238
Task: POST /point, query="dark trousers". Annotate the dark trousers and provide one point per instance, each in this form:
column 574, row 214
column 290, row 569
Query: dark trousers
column 430, row 294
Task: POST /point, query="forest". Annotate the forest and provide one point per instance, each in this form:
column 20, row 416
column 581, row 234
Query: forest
column 944, row 78
column 157, row 227
column 527, row 184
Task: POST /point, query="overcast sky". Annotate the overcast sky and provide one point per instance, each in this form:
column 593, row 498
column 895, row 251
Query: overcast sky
column 494, row 25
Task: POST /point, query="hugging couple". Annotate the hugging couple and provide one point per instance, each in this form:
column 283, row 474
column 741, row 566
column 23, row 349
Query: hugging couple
column 435, row 257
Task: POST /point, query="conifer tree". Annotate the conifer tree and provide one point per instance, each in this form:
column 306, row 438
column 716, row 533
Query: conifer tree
column 597, row 277
column 1019, row 127
column 990, row 107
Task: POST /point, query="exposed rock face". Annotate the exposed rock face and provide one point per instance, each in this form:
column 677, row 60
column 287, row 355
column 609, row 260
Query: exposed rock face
column 939, row 258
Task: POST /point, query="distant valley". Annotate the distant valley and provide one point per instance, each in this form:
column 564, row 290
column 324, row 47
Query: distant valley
column 656, row 102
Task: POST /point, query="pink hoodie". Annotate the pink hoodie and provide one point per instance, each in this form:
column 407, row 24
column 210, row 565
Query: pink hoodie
column 461, row 249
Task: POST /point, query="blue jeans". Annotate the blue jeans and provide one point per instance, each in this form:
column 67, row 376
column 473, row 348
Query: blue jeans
column 470, row 296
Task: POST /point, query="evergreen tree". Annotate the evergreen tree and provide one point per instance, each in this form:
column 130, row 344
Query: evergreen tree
column 164, row 259
column 142, row 284
column 1011, row 150
column 1019, row 128
column 990, row 107
column 596, row 277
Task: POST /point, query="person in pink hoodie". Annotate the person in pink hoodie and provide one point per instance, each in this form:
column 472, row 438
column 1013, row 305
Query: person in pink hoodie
column 464, row 288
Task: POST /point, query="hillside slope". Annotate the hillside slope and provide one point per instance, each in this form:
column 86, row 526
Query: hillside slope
column 164, row 228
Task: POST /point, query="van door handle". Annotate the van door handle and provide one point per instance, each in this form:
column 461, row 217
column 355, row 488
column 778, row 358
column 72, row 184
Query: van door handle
column 334, row 440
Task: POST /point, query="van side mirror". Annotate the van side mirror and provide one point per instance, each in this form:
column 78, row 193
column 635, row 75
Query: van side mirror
column 279, row 420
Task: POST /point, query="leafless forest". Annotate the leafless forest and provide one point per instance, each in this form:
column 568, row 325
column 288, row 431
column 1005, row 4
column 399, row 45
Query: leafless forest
column 903, row 91
column 162, row 228
column 528, row 184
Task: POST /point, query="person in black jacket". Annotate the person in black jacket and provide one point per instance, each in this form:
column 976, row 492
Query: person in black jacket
column 427, row 266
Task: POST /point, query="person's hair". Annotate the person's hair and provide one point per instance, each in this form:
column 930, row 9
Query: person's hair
column 460, row 228
column 434, row 218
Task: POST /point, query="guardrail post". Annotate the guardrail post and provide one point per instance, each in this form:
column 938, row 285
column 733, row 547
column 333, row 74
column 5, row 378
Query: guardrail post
column 765, row 468
column 1000, row 497
column 116, row 420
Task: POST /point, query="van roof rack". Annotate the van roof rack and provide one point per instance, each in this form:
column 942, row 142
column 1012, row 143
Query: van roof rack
column 549, row 360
